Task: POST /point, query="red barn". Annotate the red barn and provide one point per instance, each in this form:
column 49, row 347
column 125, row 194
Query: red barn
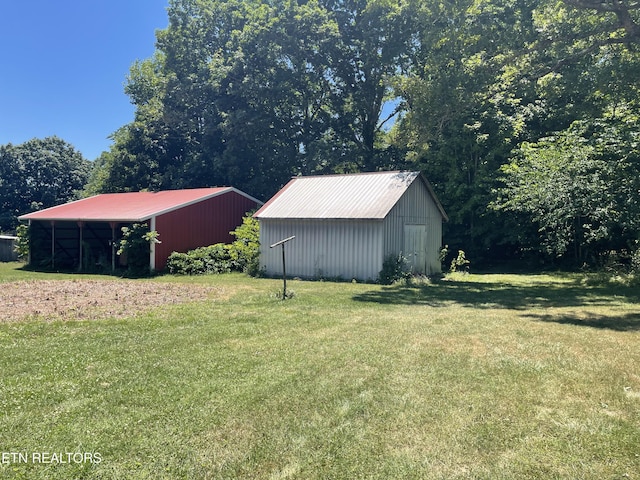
column 85, row 233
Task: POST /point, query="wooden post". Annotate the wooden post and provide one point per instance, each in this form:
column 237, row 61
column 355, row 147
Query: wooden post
column 53, row 244
column 113, row 245
column 80, row 225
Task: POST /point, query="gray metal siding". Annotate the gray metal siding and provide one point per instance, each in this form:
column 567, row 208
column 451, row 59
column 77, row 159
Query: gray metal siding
column 323, row 248
column 7, row 248
column 415, row 207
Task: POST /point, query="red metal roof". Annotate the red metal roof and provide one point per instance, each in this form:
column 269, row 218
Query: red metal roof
column 128, row 207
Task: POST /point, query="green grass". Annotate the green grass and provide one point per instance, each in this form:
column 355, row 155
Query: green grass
column 477, row 376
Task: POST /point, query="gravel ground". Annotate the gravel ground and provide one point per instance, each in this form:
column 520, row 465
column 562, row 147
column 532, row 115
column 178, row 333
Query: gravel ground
column 91, row 299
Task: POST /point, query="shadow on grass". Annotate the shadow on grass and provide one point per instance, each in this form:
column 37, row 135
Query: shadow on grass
column 629, row 322
column 499, row 295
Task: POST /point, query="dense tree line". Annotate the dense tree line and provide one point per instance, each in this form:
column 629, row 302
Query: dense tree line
column 522, row 113
column 37, row 174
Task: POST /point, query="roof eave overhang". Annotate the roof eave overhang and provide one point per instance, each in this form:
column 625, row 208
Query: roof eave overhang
column 346, row 219
column 85, row 220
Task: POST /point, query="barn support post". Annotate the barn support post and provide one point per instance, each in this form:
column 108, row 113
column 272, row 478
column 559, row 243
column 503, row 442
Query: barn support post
column 284, row 268
column 30, row 246
column 113, row 226
column 152, row 247
column 80, row 226
column 53, row 244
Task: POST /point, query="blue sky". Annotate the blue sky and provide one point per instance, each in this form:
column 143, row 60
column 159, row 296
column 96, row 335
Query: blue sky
column 63, row 65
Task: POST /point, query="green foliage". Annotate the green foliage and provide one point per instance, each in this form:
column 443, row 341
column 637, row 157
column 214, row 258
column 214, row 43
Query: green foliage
column 394, row 268
column 635, row 262
column 579, row 186
column 442, row 255
column 204, row 260
column 245, row 250
column 460, row 263
column 22, row 243
column 37, row 174
column 249, row 93
column 618, row 266
column 135, row 245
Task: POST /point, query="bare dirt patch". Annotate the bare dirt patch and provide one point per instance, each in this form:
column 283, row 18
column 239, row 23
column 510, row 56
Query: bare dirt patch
column 91, row 299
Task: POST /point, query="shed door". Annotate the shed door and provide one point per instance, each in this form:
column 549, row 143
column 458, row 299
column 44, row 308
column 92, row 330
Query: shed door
column 415, row 247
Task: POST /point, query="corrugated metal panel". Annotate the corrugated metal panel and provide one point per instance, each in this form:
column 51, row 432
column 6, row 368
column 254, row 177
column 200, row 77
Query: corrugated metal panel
column 323, row 248
column 363, row 196
column 129, row 207
column 7, row 248
column 416, row 207
column 200, row 224
column 345, row 225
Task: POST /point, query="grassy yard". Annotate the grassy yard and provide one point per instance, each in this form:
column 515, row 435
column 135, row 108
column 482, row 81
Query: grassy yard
column 477, row 376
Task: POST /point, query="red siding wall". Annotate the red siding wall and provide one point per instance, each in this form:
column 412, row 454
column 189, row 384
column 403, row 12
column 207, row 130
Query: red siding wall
column 201, row 224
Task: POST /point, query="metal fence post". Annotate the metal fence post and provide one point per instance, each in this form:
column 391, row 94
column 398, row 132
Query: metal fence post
column 284, row 268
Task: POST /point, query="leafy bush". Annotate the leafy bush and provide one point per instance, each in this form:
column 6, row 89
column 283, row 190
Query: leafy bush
column 245, row 250
column 212, row 259
column 22, row 244
column 442, row 256
column 394, row 268
column 619, row 264
column 136, row 245
column 460, row 263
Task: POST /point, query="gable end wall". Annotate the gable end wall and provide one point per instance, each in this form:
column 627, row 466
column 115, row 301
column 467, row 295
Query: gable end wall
column 200, row 224
column 415, row 207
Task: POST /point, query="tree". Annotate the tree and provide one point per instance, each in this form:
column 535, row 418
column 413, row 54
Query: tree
column 576, row 178
column 619, row 21
column 250, row 93
column 580, row 188
column 490, row 76
column 39, row 173
column 279, row 95
column 375, row 48
column 465, row 110
column 12, row 185
column 135, row 246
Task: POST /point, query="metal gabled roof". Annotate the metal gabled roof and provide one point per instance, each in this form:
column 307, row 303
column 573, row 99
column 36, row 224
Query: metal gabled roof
column 128, row 207
column 351, row 196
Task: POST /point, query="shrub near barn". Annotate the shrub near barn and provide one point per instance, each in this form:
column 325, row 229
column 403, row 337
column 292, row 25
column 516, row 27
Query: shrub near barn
column 135, row 245
column 241, row 255
column 212, row 259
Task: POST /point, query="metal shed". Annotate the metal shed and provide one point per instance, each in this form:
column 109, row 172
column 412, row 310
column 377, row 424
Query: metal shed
column 345, row 225
column 8, row 248
column 87, row 231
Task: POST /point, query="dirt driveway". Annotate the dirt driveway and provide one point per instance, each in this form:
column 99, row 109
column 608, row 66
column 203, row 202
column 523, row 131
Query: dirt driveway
column 91, row 299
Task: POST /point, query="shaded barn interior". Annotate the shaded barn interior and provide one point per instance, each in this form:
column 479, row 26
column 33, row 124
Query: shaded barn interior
column 87, row 246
